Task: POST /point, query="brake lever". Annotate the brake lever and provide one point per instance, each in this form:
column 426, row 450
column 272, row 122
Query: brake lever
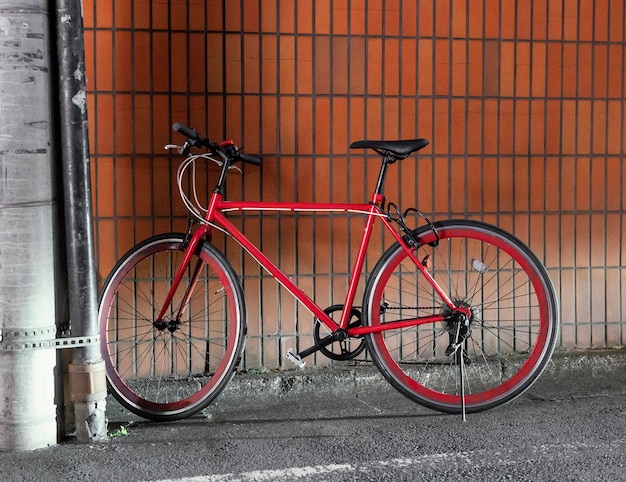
column 182, row 150
column 172, row 146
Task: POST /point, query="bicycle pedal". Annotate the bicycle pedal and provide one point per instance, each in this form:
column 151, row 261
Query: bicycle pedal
column 295, row 358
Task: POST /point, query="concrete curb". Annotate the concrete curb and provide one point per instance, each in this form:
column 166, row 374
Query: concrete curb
column 596, row 370
column 342, row 381
column 590, row 367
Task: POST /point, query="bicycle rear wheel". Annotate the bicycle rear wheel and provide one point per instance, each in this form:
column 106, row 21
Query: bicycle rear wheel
column 170, row 369
column 512, row 329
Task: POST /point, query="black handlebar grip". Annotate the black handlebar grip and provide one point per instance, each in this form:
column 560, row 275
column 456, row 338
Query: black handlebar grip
column 251, row 159
column 186, row 131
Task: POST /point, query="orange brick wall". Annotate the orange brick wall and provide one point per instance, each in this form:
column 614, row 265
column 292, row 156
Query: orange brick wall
column 523, row 103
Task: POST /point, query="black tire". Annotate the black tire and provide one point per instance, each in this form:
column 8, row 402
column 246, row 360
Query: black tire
column 513, row 326
column 170, row 370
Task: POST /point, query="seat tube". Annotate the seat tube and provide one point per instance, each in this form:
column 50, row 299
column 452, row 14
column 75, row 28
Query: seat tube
column 360, row 261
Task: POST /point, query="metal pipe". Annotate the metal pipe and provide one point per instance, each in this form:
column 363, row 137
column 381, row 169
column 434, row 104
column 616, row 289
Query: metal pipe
column 86, row 372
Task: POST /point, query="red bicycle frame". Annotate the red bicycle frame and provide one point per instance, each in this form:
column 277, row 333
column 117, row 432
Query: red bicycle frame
column 215, row 217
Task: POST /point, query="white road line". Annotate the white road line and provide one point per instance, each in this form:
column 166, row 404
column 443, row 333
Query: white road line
column 470, row 457
column 294, row 473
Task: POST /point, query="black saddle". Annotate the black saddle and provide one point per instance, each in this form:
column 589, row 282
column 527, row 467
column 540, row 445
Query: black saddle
column 399, row 149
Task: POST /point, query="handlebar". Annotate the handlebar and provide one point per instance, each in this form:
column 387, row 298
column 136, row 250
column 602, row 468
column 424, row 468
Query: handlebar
column 250, row 159
column 227, row 149
column 186, row 131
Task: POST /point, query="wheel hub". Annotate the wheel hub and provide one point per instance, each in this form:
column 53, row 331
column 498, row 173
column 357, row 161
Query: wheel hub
column 163, row 325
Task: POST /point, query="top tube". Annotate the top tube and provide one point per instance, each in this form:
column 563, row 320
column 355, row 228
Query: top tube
column 357, row 208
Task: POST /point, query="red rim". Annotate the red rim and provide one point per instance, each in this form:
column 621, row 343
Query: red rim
column 117, row 382
column 509, row 387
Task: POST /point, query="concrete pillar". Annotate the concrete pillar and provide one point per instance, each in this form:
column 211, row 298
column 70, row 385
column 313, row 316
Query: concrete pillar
column 27, row 228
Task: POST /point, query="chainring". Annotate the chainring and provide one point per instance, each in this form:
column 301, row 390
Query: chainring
column 340, row 349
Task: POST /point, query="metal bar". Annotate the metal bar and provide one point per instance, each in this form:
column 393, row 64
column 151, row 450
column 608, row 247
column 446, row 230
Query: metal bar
column 23, row 344
column 76, row 178
column 89, row 399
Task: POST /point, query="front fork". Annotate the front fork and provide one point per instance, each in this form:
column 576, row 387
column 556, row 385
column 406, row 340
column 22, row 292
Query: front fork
column 190, row 245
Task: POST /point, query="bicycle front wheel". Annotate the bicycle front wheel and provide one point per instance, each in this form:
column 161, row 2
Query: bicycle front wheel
column 171, row 368
column 512, row 329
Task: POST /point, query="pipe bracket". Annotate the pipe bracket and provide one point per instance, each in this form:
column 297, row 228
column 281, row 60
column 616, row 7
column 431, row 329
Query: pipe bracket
column 20, row 340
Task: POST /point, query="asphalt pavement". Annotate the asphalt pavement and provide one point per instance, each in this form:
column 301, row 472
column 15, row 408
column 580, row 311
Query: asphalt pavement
column 347, row 423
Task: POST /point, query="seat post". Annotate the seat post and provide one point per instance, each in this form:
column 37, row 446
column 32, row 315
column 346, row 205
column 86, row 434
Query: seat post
column 387, row 159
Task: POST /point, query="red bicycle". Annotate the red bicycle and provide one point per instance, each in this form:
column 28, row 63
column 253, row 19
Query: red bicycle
column 458, row 315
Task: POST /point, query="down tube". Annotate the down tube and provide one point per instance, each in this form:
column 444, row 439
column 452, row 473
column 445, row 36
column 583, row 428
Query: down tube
column 272, row 269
